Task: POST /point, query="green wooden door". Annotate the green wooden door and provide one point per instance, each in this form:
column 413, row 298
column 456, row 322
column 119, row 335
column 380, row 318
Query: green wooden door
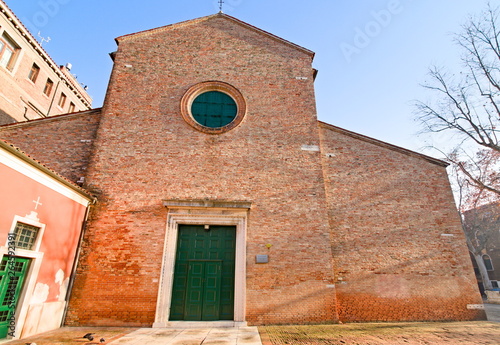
column 203, row 291
column 12, row 276
column 203, row 287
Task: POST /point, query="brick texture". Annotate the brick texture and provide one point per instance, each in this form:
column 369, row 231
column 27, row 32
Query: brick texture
column 146, row 152
column 359, row 231
column 63, row 143
column 398, row 246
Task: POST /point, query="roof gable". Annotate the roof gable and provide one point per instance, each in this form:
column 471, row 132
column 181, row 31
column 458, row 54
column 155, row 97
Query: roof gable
column 382, row 144
column 213, row 16
column 24, row 157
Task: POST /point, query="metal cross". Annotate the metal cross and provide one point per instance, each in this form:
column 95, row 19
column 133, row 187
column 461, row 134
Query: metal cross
column 37, row 203
column 220, row 5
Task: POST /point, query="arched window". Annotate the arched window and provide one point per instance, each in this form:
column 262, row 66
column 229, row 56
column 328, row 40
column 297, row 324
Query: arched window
column 487, row 262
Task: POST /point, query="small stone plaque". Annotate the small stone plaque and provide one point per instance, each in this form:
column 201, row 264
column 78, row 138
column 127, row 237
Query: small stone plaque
column 261, row 259
column 475, row 306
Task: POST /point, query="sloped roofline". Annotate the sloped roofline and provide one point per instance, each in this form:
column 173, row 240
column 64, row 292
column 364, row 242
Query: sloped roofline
column 383, row 144
column 50, row 118
column 222, row 15
column 17, row 152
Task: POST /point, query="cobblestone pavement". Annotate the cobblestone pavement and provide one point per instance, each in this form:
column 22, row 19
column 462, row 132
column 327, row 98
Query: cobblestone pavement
column 431, row 333
column 438, row 333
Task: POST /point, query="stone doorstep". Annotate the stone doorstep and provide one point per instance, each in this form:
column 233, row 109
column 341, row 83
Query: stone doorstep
column 203, row 324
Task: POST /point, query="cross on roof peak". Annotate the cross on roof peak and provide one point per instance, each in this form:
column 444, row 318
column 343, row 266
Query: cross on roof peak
column 221, row 2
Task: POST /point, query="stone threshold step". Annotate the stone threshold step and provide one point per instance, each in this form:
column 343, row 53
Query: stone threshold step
column 201, row 324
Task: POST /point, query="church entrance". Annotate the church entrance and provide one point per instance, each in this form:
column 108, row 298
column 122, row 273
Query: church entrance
column 203, row 285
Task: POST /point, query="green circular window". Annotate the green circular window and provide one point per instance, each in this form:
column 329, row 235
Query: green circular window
column 214, row 109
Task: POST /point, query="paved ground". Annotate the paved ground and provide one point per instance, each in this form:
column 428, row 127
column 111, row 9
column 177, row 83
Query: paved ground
column 493, row 312
column 205, row 336
column 431, row 333
column 146, row 336
column 437, row 333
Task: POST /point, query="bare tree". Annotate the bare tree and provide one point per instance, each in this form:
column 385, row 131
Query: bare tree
column 480, row 222
column 467, row 105
column 481, row 228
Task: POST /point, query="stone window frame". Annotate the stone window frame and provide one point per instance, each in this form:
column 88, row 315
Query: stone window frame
column 488, row 259
column 33, row 73
column 49, row 85
column 62, row 100
column 197, row 89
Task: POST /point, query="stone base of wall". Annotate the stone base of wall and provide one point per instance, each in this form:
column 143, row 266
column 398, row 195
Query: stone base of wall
column 43, row 318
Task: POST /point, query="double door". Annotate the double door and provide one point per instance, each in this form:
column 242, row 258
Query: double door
column 203, row 287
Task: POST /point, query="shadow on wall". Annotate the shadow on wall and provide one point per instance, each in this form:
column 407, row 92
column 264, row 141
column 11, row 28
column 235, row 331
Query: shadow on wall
column 5, row 118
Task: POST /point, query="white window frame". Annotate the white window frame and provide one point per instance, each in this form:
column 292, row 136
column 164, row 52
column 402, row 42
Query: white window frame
column 32, row 222
column 8, row 41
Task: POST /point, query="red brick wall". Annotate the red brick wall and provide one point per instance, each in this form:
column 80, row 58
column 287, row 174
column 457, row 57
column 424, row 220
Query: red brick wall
column 146, row 153
column 62, row 143
column 398, row 247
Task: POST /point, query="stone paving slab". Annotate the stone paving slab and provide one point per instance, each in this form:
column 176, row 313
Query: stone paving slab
column 74, row 335
column 493, row 312
column 146, row 336
column 205, row 336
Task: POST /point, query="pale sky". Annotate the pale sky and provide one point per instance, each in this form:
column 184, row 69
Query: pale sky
column 372, row 55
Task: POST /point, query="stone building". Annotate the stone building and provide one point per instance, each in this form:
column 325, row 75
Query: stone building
column 32, row 86
column 220, row 197
column 482, row 226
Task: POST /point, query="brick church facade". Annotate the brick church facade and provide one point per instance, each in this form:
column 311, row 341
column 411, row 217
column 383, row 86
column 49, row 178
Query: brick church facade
column 261, row 215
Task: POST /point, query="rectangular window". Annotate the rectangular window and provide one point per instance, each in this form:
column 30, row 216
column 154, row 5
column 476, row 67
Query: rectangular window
column 71, row 107
column 8, row 52
column 34, row 72
column 48, row 87
column 494, row 283
column 62, row 100
column 25, row 235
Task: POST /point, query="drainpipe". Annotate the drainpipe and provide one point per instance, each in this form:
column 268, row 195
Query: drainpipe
column 25, row 112
column 75, row 262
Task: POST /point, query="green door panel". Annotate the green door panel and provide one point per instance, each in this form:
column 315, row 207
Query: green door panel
column 203, row 286
column 211, row 293
column 194, row 298
column 12, row 277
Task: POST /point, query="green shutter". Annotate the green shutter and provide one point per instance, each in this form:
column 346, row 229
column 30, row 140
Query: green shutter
column 214, row 109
